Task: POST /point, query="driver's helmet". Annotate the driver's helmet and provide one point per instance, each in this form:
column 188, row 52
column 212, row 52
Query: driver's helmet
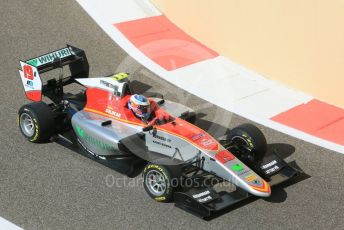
column 140, row 105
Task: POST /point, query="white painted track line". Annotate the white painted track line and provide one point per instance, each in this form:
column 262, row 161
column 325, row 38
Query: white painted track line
column 6, row 225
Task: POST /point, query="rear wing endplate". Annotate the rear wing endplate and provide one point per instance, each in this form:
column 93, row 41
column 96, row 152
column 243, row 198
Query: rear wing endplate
column 31, row 69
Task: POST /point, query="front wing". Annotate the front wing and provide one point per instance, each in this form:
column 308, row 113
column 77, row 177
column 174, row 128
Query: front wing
column 205, row 202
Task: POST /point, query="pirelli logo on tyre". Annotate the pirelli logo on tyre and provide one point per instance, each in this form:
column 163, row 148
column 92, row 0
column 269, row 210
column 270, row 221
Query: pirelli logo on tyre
column 161, row 198
column 35, row 137
column 155, row 167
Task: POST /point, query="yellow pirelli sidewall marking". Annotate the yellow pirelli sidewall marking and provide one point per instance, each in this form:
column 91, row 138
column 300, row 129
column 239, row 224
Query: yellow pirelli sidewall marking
column 36, row 130
column 160, row 198
column 151, row 166
column 249, row 140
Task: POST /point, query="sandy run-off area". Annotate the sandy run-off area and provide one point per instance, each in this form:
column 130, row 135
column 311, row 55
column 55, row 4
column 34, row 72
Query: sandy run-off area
column 299, row 43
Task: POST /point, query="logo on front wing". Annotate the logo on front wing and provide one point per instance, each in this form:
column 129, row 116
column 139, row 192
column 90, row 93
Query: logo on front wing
column 270, row 167
column 203, row 196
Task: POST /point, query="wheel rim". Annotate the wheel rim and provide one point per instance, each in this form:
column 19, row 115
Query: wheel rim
column 155, row 182
column 27, row 125
column 242, row 143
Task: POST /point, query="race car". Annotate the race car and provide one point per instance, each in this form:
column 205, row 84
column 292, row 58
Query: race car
column 111, row 124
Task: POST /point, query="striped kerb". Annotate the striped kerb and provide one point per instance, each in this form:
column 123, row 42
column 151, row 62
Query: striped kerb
column 164, row 43
column 316, row 118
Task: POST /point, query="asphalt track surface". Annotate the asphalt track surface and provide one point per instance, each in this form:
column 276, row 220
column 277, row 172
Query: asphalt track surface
column 45, row 186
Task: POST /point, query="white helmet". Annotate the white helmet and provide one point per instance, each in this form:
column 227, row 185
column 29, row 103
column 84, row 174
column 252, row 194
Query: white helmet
column 140, row 105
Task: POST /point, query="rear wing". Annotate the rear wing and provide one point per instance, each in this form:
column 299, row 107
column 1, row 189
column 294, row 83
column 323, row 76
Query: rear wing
column 31, row 69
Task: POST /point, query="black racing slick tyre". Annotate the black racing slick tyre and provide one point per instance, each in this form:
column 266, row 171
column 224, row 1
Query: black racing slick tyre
column 157, row 181
column 249, row 141
column 36, row 122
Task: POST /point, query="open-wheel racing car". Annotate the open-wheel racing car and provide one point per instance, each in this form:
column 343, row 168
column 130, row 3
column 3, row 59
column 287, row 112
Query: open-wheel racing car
column 101, row 123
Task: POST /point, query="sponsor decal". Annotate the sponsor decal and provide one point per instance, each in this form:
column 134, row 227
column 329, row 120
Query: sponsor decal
column 269, row 164
column 33, row 62
column 224, row 156
column 93, row 141
column 272, row 170
column 29, row 73
column 205, row 199
column 206, row 142
column 162, row 144
column 162, row 138
column 31, row 81
column 80, row 132
column 113, row 113
column 203, row 196
column 49, row 57
column 197, row 136
column 270, row 167
column 237, row 167
column 251, row 178
column 29, row 84
column 109, row 85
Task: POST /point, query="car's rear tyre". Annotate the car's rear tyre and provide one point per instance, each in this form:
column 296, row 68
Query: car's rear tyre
column 158, row 182
column 36, row 122
column 249, row 141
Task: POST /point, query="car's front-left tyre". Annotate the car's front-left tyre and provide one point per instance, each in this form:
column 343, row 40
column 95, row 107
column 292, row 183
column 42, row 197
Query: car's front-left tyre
column 36, row 122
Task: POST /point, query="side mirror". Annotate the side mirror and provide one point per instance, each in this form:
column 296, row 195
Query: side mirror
column 161, row 102
column 147, row 128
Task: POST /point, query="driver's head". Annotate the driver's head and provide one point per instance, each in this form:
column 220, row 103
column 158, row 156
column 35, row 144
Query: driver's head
column 140, row 105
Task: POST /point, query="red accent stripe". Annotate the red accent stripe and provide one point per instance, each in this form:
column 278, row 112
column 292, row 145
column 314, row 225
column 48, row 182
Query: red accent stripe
column 265, row 187
column 34, row 95
column 316, row 118
column 164, row 43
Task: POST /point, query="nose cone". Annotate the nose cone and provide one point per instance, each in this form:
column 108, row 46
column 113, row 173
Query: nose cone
column 260, row 188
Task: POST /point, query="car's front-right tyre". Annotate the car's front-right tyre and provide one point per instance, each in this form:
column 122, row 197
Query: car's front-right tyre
column 157, row 181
